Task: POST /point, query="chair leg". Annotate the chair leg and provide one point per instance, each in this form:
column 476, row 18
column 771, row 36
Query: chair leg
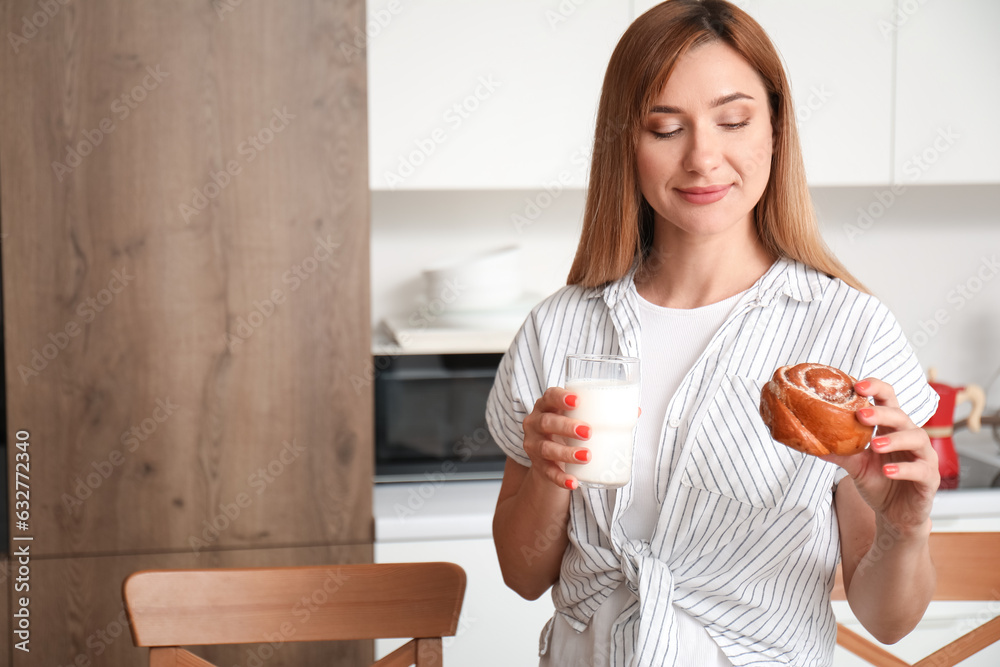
column 404, row 656
column 863, row 648
column 966, row 645
column 429, row 653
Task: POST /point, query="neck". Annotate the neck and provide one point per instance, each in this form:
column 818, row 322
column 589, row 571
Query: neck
column 687, row 271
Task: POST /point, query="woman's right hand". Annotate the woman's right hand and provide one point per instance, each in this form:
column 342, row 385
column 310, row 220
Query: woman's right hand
column 546, row 431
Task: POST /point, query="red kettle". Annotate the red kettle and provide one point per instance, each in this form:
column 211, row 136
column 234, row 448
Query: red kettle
column 941, row 426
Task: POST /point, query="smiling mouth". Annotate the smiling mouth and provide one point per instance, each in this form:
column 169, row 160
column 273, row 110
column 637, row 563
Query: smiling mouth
column 704, row 195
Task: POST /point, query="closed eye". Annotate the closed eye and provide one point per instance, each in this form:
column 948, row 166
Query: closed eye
column 673, row 133
column 666, row 135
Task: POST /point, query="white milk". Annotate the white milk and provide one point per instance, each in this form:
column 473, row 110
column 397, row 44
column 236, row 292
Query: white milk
column 611, row 409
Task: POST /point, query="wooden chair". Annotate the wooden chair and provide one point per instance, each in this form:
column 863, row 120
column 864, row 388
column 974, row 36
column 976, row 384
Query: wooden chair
column 173, row 608
column 968, row 568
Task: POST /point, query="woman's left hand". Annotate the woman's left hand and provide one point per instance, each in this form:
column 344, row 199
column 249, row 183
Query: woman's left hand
column 897, row 475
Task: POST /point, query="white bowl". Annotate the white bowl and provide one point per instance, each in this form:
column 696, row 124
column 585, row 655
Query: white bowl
column 484, row 281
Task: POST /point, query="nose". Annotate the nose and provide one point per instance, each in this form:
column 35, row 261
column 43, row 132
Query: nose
column 703, row 152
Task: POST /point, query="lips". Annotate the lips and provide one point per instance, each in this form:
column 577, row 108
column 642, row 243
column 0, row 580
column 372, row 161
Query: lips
column 704, row 195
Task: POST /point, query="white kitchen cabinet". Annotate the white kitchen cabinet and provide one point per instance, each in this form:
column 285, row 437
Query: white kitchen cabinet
column 486, row 95
column 839, row 63
column 840, row 67
column 947, row 92
column 503, row 95
column 497, row 628
column 439, row 520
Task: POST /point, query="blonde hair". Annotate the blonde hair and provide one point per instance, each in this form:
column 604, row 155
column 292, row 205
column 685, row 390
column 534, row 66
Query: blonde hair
column 618, row 222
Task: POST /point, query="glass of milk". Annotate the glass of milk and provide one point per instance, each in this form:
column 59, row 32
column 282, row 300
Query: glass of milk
column 607, row 390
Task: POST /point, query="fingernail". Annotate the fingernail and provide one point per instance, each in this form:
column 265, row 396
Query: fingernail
column 582, row 432
column 880, row 442
column 582, row 455
column 867, row 413
column 571, row 484
column 890, row 469
column 570, row 400
column 863, row 385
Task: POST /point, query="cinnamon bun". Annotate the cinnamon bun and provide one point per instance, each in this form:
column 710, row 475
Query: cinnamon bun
column 811, row 408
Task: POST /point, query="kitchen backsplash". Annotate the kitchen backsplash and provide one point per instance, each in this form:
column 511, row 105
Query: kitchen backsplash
column 931, row 253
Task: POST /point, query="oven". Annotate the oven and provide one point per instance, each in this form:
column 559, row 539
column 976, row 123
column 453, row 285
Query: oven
column 430, row 418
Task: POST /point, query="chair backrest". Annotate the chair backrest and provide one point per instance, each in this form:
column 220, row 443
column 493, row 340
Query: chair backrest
column 173, row 608
column 968, row 568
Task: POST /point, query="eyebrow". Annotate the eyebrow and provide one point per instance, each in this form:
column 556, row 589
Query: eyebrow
column 717, row 102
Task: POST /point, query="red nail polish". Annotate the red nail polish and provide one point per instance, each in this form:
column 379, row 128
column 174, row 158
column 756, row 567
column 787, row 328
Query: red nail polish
column 867, row 413
column 570, row 400
column 890, row 469
column 582, row 432
column 571, row 484
column 863, row 385
column 582, row 455
column 880, row 442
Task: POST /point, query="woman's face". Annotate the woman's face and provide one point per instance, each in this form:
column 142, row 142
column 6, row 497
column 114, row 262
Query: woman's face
column 704, row 150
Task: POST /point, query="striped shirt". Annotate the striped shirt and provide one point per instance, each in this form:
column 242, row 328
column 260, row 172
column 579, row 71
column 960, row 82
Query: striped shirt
column 746, row 538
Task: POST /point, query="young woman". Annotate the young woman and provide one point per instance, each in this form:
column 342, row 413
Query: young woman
column 700, row 254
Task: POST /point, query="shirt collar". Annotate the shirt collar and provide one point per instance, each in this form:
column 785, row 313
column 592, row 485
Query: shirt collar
column 786, row 277
column 792, row 279
column 616, row 290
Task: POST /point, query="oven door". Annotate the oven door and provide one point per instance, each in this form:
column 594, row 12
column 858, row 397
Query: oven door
column 430, row 417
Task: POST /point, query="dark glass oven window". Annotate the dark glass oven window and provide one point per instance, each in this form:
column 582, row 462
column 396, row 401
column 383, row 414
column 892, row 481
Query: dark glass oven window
column 430, row 413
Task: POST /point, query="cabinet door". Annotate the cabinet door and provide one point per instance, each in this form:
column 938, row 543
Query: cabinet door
column 495, row 94
column 840, row 66
column 839, row 62
column 947, row 92
column 497, row 628
column 185, row 274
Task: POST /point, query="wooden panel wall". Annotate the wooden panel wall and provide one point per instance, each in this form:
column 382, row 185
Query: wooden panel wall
column 85, row 623
column 184, row 208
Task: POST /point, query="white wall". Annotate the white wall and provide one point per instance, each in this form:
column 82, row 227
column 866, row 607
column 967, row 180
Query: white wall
column 914, row 249
column 933, row 256
column 416, row 229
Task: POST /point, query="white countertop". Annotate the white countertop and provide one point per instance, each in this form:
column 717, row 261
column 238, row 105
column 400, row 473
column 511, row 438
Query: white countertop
column 439, row 509
column 434, row 510
column 464, row 510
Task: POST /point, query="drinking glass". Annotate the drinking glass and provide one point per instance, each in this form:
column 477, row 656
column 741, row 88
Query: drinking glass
column 607, row 391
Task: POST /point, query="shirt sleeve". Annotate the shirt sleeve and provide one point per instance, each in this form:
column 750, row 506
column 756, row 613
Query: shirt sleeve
column 515, row 389
column 891, row 359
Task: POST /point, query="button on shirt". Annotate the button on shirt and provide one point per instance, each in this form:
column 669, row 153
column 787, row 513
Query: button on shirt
column 745, row 539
